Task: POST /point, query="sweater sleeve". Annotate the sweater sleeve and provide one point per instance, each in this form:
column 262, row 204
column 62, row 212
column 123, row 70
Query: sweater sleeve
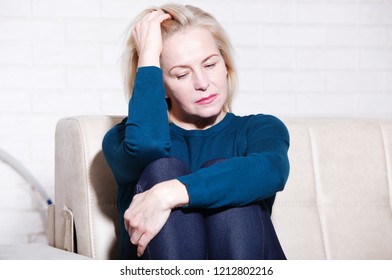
column 144, row 135
column 257, row 175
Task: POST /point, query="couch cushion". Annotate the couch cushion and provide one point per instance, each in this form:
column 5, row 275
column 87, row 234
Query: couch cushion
column 337, row 203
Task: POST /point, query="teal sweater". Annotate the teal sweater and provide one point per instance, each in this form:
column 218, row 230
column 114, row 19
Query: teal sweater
column 255, row 148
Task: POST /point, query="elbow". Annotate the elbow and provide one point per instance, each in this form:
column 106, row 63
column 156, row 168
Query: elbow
column 279, row 171
column 146, row 143
column 284, row 171
column 148, row 151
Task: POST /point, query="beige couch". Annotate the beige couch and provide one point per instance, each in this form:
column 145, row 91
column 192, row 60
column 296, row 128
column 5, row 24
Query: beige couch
column 337, row 203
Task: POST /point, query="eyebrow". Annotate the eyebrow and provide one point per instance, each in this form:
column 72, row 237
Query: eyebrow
column 185, row 66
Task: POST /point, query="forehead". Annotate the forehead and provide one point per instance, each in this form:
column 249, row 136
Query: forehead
column 188, row 46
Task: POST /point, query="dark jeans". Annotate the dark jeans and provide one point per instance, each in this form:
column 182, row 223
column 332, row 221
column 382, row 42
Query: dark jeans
column 230, row 233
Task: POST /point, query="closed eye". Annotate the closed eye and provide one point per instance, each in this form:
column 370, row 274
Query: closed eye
column 211, row 65
column 181, row 76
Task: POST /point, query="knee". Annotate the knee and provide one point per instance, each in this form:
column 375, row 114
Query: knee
column 168, row 166
column 160, row 170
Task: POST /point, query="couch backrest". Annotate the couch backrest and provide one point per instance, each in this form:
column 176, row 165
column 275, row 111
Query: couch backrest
column 336, row 204
column 337, row 201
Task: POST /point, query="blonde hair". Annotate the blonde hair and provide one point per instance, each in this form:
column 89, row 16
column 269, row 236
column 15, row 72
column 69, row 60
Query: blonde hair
column 183, row 17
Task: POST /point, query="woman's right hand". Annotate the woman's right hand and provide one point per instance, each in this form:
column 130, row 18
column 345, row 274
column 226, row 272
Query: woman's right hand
column 148, row 38
column 150, row 210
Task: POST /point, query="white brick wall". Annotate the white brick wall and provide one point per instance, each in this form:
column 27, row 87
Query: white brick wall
column 60, row 58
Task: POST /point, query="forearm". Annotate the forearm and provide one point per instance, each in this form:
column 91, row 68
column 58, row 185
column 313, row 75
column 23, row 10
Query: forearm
column 237, row 181
column 173, row 193
column 147, row 126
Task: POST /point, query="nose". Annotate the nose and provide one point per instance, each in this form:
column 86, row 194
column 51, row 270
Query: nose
column 201, row 81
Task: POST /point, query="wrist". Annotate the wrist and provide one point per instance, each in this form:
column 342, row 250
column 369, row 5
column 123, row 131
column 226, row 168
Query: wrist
column 174, row 193
column 149, row 60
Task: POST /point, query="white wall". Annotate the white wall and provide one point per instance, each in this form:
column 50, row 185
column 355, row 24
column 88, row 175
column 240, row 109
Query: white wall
column 59, row 58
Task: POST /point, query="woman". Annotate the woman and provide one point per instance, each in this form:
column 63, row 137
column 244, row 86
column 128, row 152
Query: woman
column 195, row 181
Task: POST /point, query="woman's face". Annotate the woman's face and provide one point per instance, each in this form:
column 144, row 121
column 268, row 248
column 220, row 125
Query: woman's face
column 195, row 78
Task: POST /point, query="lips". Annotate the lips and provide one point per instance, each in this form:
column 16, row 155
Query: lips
column 207, row 100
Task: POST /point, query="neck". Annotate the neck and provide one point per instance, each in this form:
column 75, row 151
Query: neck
column 197, row 123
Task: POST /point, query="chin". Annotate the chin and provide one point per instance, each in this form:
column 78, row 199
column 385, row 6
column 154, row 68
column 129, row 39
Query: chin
column 210, row 113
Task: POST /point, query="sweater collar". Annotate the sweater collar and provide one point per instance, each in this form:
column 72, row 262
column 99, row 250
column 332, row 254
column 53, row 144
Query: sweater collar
column 203, row 132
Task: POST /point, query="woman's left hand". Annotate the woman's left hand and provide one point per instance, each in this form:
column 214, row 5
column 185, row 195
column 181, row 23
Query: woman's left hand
column 150, row 210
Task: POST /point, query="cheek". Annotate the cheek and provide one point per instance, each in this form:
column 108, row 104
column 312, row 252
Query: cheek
column 175, row 88
column 175, row 92
column 169, row 88
column 223, row 83
column 222, row 77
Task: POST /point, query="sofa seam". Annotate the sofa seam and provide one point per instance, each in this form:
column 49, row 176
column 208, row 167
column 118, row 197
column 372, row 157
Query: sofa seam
column 87, row 180
column 317, row 183
column 388, row 164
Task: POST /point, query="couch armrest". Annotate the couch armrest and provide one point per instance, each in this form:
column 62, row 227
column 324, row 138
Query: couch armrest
column 85, row 190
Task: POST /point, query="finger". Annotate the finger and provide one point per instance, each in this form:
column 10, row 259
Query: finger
column 156, row 15
column 146, row 20
column 164, row 17
column 126, row 225
column 143, row 26
column 135, row 237
column 130, row 222
column 140, row 251
column 143, row 243
column 130, row 228
column 130, row 231
column 127, row 217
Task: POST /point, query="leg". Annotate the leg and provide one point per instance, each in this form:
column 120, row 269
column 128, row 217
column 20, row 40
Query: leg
column 183, row 236
column 241, row 232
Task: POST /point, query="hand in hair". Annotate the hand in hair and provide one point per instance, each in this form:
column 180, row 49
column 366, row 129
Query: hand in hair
column 148, row 38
